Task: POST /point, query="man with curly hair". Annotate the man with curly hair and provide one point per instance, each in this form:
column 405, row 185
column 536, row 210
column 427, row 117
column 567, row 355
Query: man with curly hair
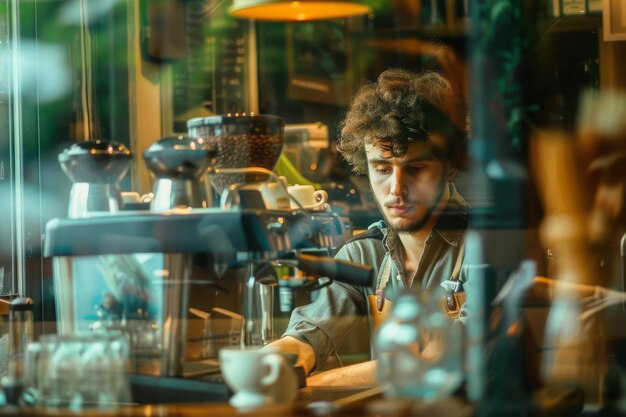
column 407, row 133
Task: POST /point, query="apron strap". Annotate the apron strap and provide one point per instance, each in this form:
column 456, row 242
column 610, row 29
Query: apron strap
column 385, row 275
column 453, row 300
column 378, row 301
column 379, row 306
column 456, row 272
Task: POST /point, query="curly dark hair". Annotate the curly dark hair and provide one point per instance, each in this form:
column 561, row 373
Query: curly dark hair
column 402, row 107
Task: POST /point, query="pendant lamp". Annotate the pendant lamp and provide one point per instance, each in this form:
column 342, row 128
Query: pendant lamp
column 285, row 10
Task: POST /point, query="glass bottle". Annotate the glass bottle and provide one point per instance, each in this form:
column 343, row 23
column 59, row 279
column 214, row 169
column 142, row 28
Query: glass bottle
column 20, row 335
column 419, row 349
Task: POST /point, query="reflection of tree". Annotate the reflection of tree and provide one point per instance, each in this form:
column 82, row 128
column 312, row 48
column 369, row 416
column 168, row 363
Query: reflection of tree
column 49, row 122
column 107, row 26
column 500, row 52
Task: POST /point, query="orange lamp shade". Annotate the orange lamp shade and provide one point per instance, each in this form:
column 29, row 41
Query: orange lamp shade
column 281, row 10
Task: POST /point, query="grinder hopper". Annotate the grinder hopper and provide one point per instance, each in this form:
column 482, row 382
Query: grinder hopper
column 241, row 141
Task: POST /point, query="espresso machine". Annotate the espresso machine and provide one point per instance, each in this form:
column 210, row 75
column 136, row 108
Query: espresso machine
column 137, row 271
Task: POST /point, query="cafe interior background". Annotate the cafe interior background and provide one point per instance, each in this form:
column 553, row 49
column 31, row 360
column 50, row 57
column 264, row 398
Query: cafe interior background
column 544, row 81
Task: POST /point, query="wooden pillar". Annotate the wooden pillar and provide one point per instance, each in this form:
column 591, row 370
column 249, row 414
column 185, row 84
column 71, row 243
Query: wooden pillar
column 612, row 57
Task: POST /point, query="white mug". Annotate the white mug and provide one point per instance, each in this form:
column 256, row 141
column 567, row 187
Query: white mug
column 272, row 193
column 307, row 196
column 258, row 376
column 274, row 196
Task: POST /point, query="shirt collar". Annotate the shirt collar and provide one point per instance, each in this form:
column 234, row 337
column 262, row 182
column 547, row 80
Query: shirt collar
column 451, row 224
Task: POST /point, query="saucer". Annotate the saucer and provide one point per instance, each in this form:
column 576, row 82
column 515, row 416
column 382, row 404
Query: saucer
column 315, row 207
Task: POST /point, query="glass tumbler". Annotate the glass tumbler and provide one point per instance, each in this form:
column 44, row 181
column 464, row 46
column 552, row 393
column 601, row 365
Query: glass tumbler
column 84, row 371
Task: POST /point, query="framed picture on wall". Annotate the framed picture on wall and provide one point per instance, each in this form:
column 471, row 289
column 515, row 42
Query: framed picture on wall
column 614, row 20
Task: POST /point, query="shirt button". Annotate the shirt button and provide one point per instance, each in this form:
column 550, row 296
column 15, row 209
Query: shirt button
column 398, row 277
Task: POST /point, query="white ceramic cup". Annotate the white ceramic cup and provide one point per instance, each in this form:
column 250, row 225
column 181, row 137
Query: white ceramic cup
column 274, row 196
column 307, row 196
column 257, row 375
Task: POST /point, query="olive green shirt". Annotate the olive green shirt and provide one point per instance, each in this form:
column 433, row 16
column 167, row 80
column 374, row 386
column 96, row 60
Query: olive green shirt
column 341, row 313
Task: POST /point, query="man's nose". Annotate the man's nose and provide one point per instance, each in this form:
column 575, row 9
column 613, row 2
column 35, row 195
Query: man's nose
column 398, row 183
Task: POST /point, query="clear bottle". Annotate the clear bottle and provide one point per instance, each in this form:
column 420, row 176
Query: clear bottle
column 419, row 349
column 20, row 335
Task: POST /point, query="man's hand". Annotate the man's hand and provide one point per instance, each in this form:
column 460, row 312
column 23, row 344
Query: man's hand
column 289, row 344
column 362, row 374
column 359, row 374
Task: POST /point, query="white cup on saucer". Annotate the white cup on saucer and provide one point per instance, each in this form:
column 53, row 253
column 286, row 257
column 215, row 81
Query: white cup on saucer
column 307, row 196
column 258, row 376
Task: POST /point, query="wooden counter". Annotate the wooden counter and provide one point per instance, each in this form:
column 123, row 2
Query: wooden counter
column 342, row 402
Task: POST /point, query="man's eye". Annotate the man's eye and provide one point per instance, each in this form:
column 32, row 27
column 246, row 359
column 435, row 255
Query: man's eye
column 416, row 169
column 381, row 169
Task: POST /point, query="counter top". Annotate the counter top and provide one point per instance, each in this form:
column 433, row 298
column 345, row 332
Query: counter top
column 311, row 401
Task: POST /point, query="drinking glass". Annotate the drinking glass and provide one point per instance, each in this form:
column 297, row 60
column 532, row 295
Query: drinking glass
column 32, row 357
column 83, row 371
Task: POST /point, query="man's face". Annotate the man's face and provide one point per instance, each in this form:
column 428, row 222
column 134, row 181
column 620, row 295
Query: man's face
column 407, row 189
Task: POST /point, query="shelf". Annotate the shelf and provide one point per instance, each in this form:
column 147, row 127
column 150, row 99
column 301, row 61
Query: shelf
column 576, row 23
column 442, row 31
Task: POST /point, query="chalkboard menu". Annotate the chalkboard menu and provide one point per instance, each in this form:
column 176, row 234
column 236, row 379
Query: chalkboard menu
column 211, row 76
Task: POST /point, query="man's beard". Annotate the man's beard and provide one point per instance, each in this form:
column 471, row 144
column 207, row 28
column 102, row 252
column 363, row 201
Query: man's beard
column 418, row 224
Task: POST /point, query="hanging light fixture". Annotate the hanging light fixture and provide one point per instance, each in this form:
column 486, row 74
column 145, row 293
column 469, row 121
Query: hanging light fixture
column 286, row 10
